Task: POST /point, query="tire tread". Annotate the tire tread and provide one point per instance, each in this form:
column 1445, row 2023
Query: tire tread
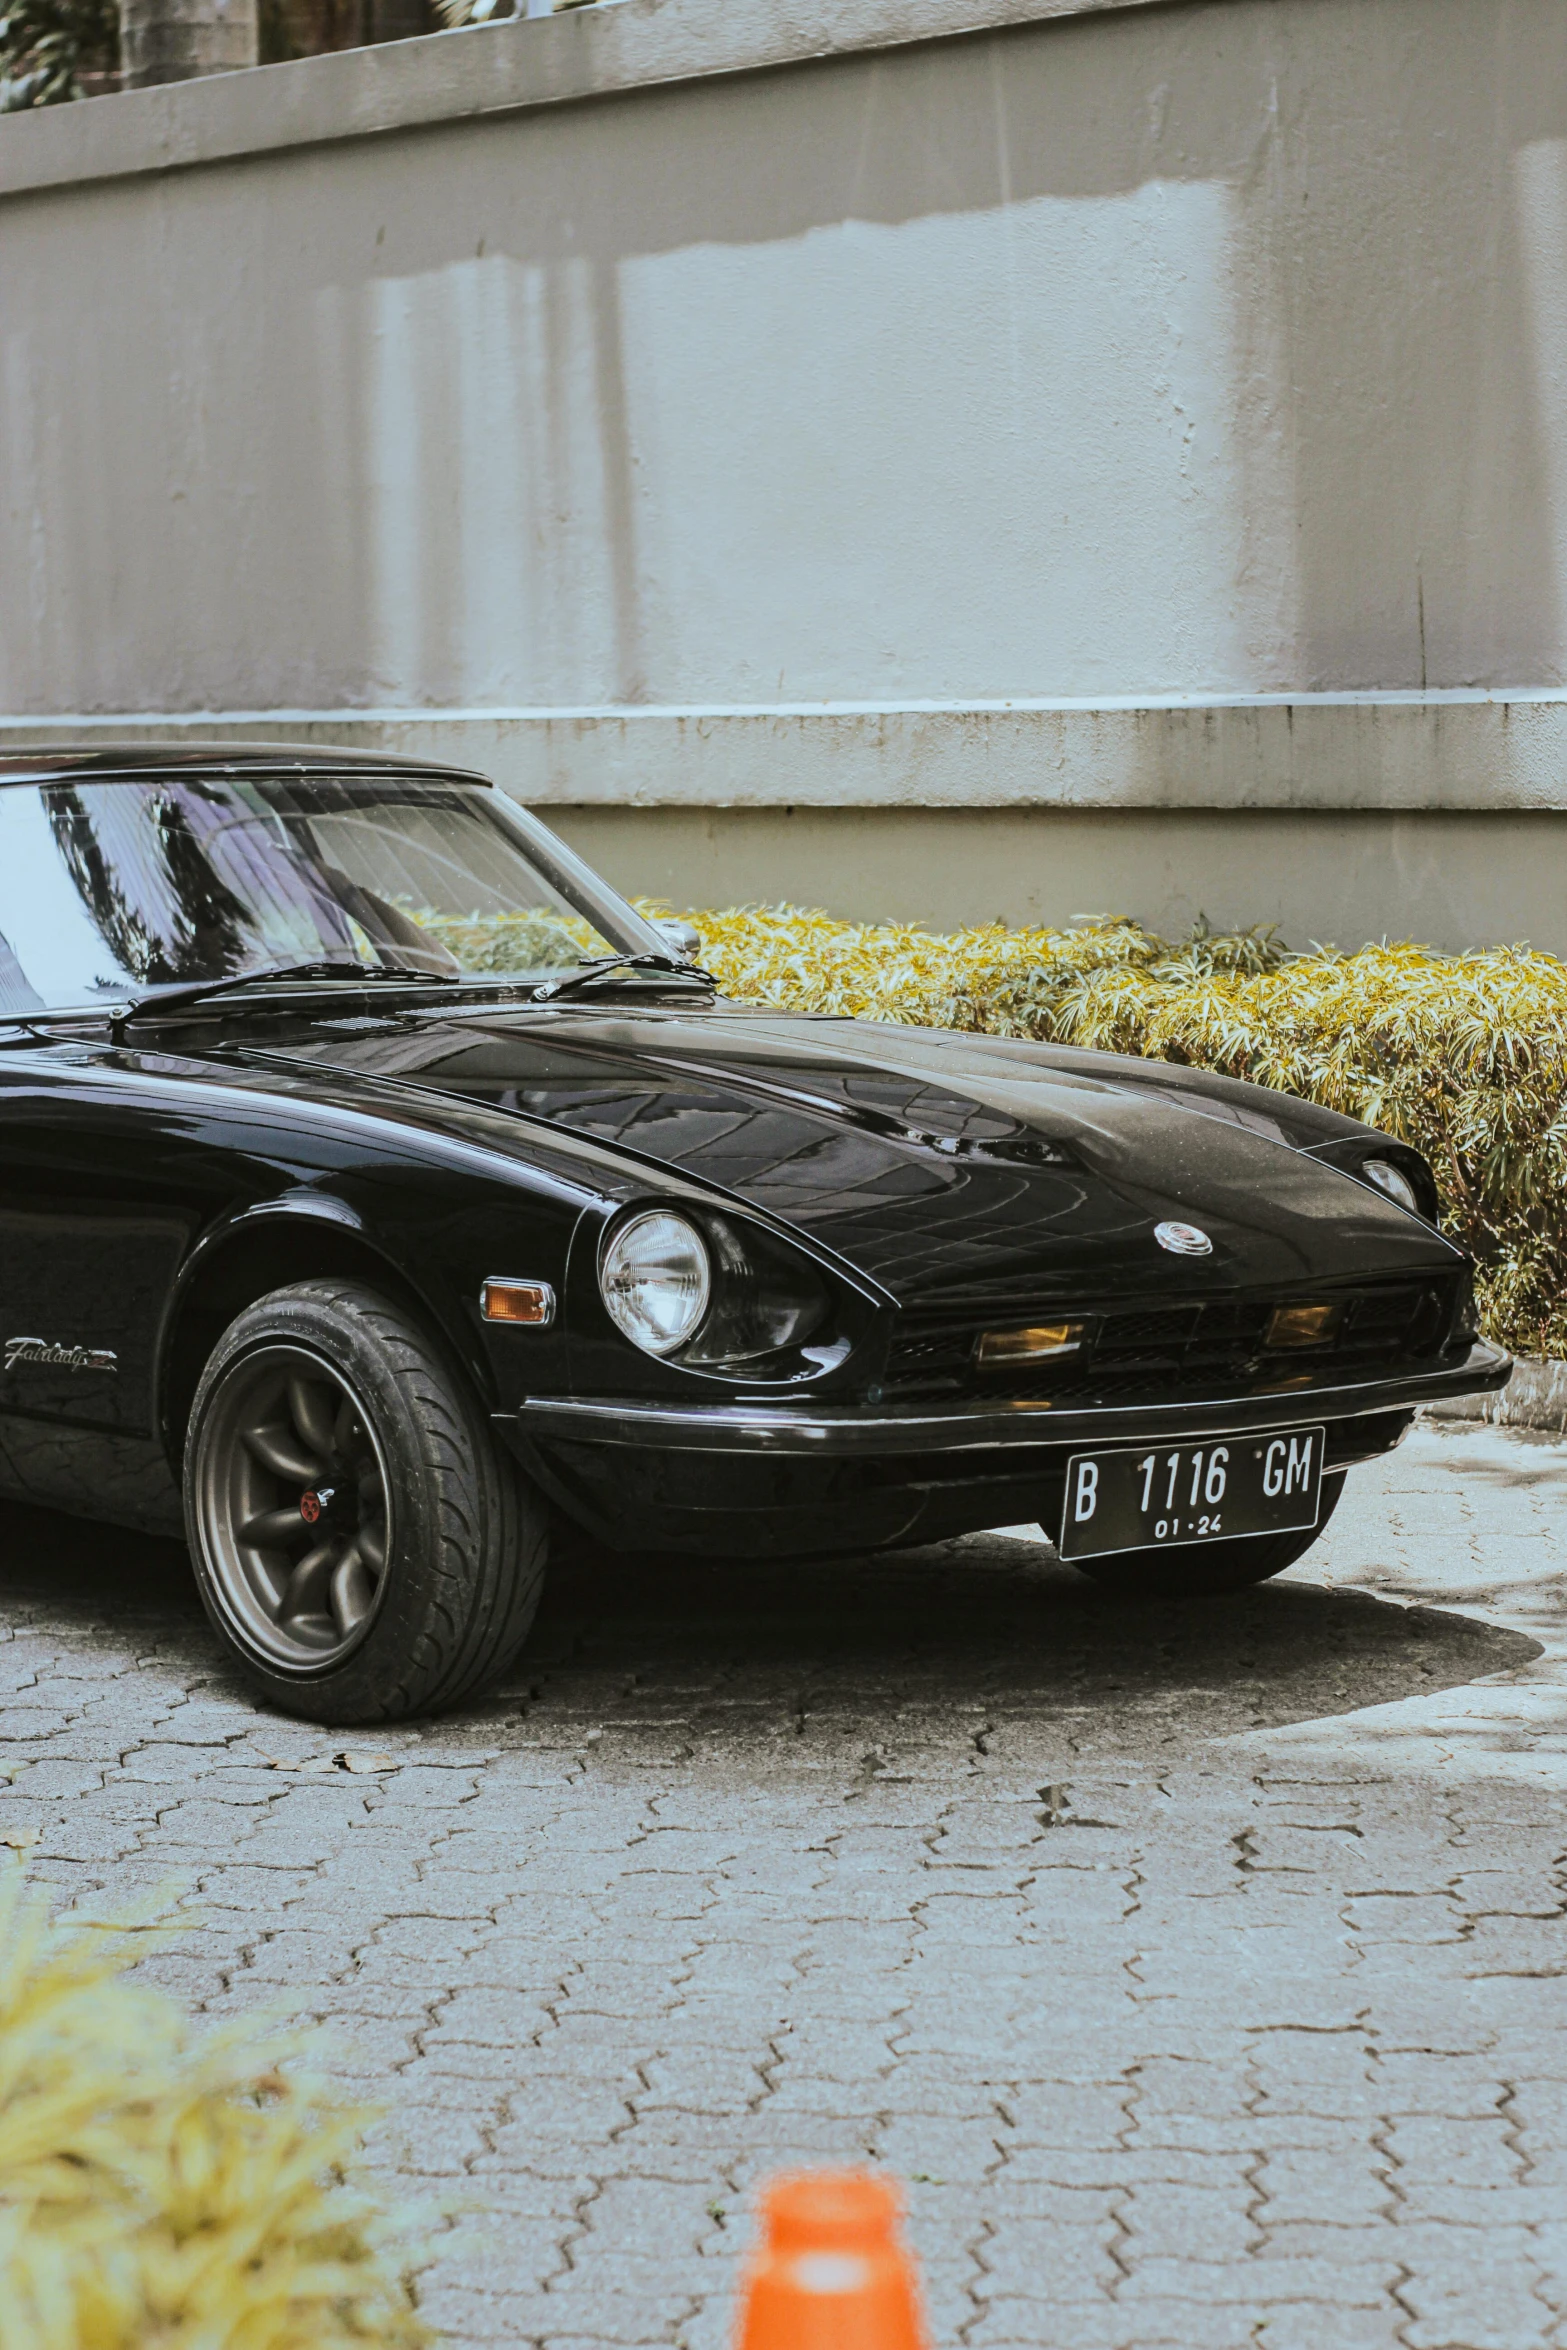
column 479, row 1580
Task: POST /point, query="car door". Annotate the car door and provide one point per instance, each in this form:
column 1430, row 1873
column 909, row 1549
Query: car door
column 98, row 1206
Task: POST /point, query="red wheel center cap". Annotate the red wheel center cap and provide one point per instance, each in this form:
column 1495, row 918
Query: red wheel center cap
column 313, row 1505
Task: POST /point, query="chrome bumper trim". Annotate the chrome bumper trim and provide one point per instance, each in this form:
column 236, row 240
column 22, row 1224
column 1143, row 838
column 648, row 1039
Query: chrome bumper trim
column 868, row 1432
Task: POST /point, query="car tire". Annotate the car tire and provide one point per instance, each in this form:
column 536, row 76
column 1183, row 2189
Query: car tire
column 363, row 1547
column 1205, row 1570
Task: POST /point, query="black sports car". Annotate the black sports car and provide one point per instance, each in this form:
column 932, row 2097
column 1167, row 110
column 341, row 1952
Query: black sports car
column 378, row 1186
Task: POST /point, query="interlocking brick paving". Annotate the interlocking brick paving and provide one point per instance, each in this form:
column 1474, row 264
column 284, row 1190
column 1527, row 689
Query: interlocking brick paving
column 1200, row 1968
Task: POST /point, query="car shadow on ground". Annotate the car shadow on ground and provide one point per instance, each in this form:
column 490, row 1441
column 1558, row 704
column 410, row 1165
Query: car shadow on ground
column 690, row 1655
column 997, row 1623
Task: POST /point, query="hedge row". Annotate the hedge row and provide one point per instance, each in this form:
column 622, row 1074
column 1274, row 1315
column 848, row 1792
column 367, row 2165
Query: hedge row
column 1464, row 1056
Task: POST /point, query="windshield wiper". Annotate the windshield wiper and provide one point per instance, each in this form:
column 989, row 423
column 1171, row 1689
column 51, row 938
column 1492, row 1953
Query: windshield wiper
column 610, row 966
column 194, row 991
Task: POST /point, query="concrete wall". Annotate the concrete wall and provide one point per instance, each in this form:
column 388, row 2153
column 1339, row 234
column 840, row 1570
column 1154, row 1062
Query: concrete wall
column 960, row 457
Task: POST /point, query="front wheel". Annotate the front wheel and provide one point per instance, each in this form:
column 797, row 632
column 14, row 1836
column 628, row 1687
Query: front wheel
column 362, row 1547
column 1199, row 1570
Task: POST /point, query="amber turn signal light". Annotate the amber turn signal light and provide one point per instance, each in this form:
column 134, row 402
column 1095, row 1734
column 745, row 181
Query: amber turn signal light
column 998, row 1349
column 1302, row 1325
column 530, row 1302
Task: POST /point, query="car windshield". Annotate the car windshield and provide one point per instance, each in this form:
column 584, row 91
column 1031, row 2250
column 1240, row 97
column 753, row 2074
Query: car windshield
column 108, row 889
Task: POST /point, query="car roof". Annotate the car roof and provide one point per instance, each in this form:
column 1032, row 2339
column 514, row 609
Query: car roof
column 105, row 760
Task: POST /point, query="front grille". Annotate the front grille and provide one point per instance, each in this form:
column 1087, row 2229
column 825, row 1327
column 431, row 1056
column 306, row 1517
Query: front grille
column 1208, row 1346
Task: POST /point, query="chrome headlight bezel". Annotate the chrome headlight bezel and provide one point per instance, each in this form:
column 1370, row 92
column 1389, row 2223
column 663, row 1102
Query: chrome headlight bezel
column 651, row 1260
column 1393, row 1182
column 756, row 1301
column 1355, row 1154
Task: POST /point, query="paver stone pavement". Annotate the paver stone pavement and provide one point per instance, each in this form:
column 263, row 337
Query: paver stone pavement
column 1199, row 1968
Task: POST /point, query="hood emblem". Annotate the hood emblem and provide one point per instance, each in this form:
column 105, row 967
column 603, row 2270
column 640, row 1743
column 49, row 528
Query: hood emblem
column 59, row 1358
column 1183, row 1240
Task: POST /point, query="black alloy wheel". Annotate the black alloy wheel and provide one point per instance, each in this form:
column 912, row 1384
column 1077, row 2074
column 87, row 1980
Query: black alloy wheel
column 1206, row 1570
column 363, row 1548
column 295, row 1505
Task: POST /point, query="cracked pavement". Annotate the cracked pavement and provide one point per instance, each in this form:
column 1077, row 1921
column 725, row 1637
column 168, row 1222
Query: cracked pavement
column 1200, row 1969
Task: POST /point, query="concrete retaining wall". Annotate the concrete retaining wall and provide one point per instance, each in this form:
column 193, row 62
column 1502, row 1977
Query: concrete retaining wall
column 966, row 456
column 1534, row 1397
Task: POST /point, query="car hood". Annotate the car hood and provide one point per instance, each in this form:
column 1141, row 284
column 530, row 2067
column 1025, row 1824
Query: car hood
column 945, row 1167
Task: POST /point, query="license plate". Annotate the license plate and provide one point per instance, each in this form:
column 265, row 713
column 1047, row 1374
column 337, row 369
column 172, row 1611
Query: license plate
column 1156, row 1496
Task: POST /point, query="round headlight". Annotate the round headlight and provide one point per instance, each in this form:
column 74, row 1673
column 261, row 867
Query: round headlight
column 656, row 1278
column 1393, row 1181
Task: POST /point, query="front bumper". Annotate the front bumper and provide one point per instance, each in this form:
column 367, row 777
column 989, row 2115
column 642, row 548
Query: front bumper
column 871, row 1432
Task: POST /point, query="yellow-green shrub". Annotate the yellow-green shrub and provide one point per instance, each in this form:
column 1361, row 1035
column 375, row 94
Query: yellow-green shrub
column 1464, row 1056
column 163, row 2188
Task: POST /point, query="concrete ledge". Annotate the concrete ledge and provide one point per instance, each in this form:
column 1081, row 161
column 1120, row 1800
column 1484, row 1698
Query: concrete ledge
column 1534, row 1397
column 483, row 69
column 1395, row 753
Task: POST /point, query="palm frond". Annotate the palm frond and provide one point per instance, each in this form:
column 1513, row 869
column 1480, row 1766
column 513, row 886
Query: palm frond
column 47, row 45
column 163, row 2188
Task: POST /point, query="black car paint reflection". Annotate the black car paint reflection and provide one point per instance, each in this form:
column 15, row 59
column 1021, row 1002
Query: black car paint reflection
column 930, row 1194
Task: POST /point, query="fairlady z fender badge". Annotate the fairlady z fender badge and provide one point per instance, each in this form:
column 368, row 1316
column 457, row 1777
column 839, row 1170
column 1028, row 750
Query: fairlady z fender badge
column 55, row 1357
column 1183, row 1240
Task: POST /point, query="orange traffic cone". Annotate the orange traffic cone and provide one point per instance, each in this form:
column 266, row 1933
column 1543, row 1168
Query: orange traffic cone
column 832, row 2272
